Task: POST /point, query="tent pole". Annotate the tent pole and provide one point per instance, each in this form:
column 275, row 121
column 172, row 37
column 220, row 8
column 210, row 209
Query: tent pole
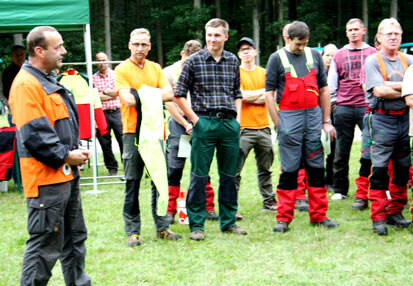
column 88, row 53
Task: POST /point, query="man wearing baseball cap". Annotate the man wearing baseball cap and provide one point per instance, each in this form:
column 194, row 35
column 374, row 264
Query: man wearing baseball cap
column 255, row 131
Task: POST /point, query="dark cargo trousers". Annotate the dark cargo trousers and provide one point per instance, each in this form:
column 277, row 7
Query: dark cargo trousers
column 134, row 165
column 260, row 141
column 208, row 134
column 390, row 141
column 57, row 231
column 345, row 120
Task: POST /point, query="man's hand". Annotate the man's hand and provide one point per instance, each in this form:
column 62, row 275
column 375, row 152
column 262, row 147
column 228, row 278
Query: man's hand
column 329, row 129
column 77, row 157
column 188, row 128
column 409, row 100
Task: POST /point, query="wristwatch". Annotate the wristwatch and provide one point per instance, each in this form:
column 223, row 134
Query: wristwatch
column 327, row 121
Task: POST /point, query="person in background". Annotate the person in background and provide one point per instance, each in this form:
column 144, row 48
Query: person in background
column 104, row 81
column 348, row 102
column 18, row 56
column 255, row 131
column 328, row 54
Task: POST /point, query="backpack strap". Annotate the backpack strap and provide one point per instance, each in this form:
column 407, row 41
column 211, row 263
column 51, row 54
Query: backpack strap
column 381, row 66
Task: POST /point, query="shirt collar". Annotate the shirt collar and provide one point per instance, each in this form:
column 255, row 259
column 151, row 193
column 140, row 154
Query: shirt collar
column 207, row 55
column 48, row 81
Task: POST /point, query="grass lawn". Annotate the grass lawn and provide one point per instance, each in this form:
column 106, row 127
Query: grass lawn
column 306, row 255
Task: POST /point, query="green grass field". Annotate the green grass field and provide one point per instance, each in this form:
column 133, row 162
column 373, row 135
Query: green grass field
column 306, row 255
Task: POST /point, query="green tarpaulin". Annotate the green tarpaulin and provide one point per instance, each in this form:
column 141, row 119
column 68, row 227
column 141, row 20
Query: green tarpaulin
column 22, row 15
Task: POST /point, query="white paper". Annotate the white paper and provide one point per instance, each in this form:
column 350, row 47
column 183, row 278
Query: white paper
column 184, row 150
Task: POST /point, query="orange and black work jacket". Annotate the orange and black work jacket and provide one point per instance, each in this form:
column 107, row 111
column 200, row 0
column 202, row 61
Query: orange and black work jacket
column 47, row 128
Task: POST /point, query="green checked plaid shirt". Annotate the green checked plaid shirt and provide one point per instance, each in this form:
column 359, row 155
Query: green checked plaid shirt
column 212, row 85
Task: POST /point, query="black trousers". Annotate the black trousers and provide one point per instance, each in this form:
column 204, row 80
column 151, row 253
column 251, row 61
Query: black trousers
column 114, row 121
column 57, row 231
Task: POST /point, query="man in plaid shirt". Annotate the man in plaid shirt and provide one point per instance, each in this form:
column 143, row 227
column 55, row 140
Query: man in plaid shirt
column 104, row 81
column 213, row 79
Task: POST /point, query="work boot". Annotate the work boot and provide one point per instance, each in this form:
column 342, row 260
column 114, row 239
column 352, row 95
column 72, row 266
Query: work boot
column 171, row 218
column 280, row 226
column 379, row 227
column 269, row 207
column 167, row 234
column 397, row 220
column 235, row 230
column 360, row 204
column 197, row 235
column 327, row 223
column 301, row 205
column 212, row 215
column 133, row 240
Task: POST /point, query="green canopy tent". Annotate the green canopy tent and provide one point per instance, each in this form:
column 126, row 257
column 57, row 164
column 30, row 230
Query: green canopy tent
column 18, row 16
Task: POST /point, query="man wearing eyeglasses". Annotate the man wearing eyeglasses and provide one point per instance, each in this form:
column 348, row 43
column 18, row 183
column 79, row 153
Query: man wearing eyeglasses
column 255, row 131
column 137, row 73
column 389, row 126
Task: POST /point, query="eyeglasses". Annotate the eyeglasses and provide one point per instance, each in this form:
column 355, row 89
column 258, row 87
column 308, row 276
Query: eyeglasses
column 246, row 49
column 389, row 35
column 143, row 45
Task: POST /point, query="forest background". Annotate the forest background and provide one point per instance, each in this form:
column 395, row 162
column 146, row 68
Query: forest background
column 173, row 22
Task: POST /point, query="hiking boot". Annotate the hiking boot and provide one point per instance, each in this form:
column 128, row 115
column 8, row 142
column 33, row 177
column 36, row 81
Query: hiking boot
column 280, row 226
column 379, row 227
column 168, row 234
column 269, row 207
column 171, row 218
column 327, row 223
column 238, row 216
column 235, row 230
column 133, row 240
column 197, row 234
column 397, row 220
column 212, row 215
column 301, row 205
column 360, row 204
column 338, row 197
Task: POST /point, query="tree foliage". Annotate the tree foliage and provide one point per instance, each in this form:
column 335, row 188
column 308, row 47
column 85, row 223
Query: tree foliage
column 180, row 21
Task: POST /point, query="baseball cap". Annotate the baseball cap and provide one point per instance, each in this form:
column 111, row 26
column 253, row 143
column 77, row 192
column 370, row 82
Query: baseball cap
column 246, row 40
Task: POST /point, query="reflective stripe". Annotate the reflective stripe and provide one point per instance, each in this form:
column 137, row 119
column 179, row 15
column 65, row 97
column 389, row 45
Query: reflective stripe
column 289, row 68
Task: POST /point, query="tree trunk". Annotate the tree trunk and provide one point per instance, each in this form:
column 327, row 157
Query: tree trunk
column 256, row 28
column 218, row 8
column 138, row 13
column 393, row 9
column 339, row 20
column 197, row 5
column 108, row 42
column 159, row 47
column 292, row 10
column 280, row 20
column 366, row 20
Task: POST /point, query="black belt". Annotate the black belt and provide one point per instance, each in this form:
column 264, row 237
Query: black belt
column 217, row 114
column 111, row 110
